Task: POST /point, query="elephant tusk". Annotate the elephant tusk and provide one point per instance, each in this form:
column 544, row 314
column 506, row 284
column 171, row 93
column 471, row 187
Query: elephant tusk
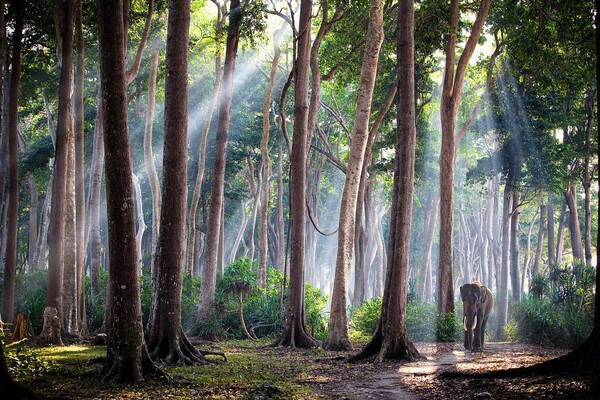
column 475, row 323
column 465, row 323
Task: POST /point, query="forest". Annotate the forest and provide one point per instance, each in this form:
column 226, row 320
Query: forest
column 299, row 199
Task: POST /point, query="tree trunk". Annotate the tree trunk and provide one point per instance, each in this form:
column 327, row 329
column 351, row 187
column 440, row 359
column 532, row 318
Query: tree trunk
column 338, row 337
column 587, row 178
column 166, row 341
column 213, row 234
column 10, row 256
column 535, row 269
column 431, row 214
column 574, row 228
column 551, row 238
column 391, row 337
column 560, row 237
column 148, row 152
column 79, row 117
column 70, row 313
column 202, row 152
column 40, row 245
column 56, row 232
column 94, row 202
column 526, row 262
column 279, row 220
column 263, row 244
column 33, row 221
column 503, row 273
column 127, row 356
column 139, row 213
column 514, row 247
column 295, row 334
column 450, row 102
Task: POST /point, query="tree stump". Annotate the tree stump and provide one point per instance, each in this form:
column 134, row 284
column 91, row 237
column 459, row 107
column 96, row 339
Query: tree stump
column 22, row 328
column 51, row 332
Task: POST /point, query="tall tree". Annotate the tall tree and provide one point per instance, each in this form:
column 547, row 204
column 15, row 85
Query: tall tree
column 295, row 333
column 10, row 257
column 59, row 180
column 213, row 234
column 454, row 75
column 338, row 337
column 390, row 340
column 80, row 165
column 166, row 340
column 127, row 355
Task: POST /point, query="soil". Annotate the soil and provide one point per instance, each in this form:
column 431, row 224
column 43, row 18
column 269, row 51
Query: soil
column 427, row 379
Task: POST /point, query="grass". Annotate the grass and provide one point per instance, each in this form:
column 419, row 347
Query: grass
column 251, row 372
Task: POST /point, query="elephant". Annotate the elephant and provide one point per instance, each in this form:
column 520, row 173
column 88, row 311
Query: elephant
column 478, row 303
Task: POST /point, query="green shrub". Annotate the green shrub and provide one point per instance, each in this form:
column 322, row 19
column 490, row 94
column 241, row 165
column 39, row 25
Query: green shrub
column 560, row 308
column 23, row 361
column 422, row 321
column 30, row 296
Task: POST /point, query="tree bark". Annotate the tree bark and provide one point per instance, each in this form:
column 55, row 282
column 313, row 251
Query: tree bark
column 535, row 269
column 80, row 166
column 166, row 341
column 587, row 178
column 503, row 273
column 338, row 337
column 10, row 256
column 515, row 284
column 450, row 102
column 391, row 337
column 70, row 313
column 263, row 244
column 149, row 154
column 202, row 148
column 574, row 228
column 59, row 182
column 33, row 221
column 139, row 216
column 213, row 235
column 295, row 334
column 127, row 356
column 551, row 237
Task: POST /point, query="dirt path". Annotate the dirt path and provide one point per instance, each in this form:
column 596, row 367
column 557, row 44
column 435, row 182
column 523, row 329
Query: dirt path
column 421, row 380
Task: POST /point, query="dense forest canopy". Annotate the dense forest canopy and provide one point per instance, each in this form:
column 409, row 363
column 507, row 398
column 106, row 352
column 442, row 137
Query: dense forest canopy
column 303, row 170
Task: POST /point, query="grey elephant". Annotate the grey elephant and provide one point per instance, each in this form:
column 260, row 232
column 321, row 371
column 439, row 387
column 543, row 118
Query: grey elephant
column 478, row 303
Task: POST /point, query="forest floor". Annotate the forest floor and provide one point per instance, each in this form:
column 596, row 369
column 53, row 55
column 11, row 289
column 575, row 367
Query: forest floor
column 257, row 372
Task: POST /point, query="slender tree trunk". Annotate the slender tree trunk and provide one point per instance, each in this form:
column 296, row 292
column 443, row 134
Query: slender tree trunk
column 213, row 236
column 59, row 183
column 514, row 247
column 430, row 221
column 450, row 102
column 10, row 256
column 127, row 356
column 80, row 167
column 551, row 237
column 139, row 213
column 39, row 257
column 280, row 222
column 503, row 273
column 535, row 269
column 70, row 314
column 587, row 179
column 560, row 237
column 148, row 152
column 240, row 234
column 526, row 262
column 33, row 222
column 295, row 334
column 202, row 156
column 94, row 202
column 574, row 228
column 263, row 244
column 338, row 338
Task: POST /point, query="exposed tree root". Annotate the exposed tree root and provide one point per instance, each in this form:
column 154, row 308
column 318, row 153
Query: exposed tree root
column 379, row 349
column 51, row 329
column 295, row 336
column 179, row 351
column 119, row 370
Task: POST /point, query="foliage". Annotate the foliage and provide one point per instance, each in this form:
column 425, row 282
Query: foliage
column 262, row 307
column 422, row 321
column 23, row 361
column 30, row 296
column 559, row 310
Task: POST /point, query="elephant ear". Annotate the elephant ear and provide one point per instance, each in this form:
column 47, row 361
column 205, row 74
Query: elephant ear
column 484, row 293
column 462, row 292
